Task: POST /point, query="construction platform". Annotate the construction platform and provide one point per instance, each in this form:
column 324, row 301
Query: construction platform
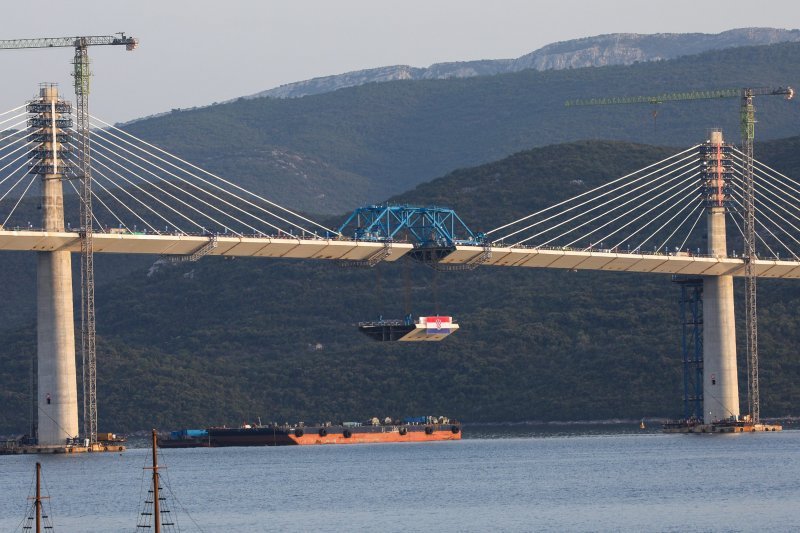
column 426, row 329
column 723, row 426
column 14, row 448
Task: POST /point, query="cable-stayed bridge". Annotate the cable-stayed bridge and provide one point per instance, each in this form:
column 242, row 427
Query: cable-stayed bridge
column 683, row 215
column 151, row 202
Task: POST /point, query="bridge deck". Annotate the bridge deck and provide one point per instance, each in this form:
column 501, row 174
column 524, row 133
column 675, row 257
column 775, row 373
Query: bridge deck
column 126, row 243
column 361, row 250
column 624, row 262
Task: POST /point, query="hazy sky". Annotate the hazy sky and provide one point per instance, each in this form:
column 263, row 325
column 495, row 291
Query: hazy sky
column 195, row 52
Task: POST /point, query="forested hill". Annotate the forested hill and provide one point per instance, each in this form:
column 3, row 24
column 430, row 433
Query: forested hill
column 221, row 341
column 328, row 153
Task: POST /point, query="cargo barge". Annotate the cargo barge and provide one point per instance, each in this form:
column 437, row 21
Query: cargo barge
column 730, row 425
column 420, row 429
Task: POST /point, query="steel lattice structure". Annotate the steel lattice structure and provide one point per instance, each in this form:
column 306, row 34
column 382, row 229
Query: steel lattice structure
column 82, row 74
column 749, row 254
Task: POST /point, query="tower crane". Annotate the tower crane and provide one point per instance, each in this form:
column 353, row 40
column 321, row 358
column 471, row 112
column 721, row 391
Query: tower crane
column 82, row 74
column 747, row 122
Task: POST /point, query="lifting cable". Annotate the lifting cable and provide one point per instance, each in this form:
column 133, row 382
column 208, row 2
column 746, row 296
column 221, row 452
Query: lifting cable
column 435, row 284
column 379, row 290
column 406, row 287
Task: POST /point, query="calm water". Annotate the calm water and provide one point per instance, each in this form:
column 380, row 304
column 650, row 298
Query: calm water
column 500, row 479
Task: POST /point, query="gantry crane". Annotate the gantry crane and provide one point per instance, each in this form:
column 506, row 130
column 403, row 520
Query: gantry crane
column 748, row 121
column 81, row 73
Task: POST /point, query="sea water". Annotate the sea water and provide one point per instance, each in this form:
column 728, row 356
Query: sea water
column 495, row 479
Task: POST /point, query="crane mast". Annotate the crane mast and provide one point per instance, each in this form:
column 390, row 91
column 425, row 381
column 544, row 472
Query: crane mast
column 748, row 122
column 749, row 255
column 82, row 74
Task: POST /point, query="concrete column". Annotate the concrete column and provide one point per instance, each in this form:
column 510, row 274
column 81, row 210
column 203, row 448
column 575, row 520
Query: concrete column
column 720, row 378
column 55, row 328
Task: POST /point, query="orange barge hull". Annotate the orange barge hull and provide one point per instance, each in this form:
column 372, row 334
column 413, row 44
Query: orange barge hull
column 274, row 435
column 371, row 438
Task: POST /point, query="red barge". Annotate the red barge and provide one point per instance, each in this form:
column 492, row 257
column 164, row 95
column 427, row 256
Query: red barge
column 421, row 429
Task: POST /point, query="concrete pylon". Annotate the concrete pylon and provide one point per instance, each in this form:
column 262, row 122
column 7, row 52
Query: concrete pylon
column 57, row 393
column 720, row 378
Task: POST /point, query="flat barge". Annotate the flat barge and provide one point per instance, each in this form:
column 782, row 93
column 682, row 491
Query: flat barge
column 422, row 429
column 744, row 425
column 15, row 447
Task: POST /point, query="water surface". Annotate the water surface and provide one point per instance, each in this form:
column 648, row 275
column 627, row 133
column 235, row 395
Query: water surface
column 509, row 478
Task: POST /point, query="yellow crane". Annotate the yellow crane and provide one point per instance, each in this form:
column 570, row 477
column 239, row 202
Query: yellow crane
column 82, row 74
column 747, row 122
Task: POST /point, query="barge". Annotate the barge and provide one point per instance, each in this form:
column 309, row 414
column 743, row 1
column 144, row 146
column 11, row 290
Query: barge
column 730, row 425
column 420, row 429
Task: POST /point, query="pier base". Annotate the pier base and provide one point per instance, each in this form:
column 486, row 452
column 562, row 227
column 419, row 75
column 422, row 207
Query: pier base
column 13, row 448
column 725, row 426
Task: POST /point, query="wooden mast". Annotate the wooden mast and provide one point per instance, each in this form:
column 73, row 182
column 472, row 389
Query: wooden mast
column 156, row 508
column 38, row 501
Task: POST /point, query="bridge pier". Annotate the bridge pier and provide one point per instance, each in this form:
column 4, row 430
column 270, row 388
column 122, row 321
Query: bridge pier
column 57, row 395
column 720, row 377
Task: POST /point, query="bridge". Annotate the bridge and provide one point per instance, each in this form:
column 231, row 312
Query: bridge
column 683, row 215
column 680, row 263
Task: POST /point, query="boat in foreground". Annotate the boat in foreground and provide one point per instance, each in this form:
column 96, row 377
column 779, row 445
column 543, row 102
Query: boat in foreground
column 420, row 429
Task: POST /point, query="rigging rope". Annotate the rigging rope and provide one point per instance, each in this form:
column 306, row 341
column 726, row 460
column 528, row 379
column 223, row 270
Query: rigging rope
column 689, row 233
column 223, row 180
column 761, row 222
column 33, row 178
column 174, row 185
column 136, row 186
column 24, row 165
column 650, row 191
column 670, row 220
column 14, row 109
column 741, row 231
column 613, row 199
column 182, row 202
column 692, row 190
column 97, row 172
column 592, row 190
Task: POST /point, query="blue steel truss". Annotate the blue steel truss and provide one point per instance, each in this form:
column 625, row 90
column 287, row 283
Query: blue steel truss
column 691, row 314
column 425, row 227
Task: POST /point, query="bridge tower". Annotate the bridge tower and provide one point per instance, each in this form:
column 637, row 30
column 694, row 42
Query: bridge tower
column 720, row 378
column 57, row 395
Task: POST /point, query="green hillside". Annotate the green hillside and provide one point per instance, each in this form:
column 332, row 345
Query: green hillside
column 223, row 341
column 327, row 153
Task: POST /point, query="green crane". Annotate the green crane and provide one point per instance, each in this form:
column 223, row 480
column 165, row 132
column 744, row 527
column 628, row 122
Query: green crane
column 747, row 122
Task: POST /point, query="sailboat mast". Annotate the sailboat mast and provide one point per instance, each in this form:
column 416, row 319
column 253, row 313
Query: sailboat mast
column 38, row 501
column 156, row 508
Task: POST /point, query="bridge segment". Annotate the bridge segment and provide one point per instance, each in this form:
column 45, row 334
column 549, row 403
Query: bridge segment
column 345, row 249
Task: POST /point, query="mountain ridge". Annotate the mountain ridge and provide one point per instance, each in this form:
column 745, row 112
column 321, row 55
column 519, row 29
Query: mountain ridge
column 595, row 51
column 331, row 152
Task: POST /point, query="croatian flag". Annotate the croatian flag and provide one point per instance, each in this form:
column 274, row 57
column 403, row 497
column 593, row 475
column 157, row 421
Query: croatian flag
column 437, row 325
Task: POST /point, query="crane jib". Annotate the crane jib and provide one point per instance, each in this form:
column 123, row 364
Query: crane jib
column 70, row 42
